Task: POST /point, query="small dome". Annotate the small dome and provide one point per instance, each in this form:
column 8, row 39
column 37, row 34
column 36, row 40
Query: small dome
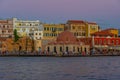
column 66, row 36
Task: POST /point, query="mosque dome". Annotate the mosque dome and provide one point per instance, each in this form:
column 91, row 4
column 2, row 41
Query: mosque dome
column 66, row 36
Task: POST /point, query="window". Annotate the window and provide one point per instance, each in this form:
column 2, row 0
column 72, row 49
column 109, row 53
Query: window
column 45, row 28
column 54, row 48
column 78, row 49
column 36, row 33
column 3, row 26
column 112, row 41
column 66, row 49
column 48, row 48
column 20, row 24
column 60, row 49
column 85, row 50
column 73, row 27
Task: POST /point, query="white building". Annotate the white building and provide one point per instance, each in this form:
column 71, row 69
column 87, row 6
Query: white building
column 28, row 28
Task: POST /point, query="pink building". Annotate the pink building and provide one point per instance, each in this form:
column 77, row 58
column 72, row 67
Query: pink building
column 6, row 28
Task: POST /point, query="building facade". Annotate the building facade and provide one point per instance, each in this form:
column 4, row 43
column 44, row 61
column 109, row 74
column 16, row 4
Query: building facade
column 51, row 31
column 77, row 27
column 114, row 31
column 6, row 28
column 82, row 28
column 92, row 27
column 28, row 28
column 66, row 42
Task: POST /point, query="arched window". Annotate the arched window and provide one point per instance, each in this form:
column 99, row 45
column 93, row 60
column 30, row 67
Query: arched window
column 48, row 48
column 66, row 49
column 54, row 48
column 78, row 49
column 60, row 49
column 85, row 50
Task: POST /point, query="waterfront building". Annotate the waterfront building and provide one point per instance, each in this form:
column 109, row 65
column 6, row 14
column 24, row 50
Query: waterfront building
column 102, row 43
column 107, row 32
column 66, row 42
column 103, row 34
column 6, row 31
column 77, row 27
column 81, row 28
column 51, row 31
column 6, row 28
column 92, row 27
column 28, row 28
column 113, row 31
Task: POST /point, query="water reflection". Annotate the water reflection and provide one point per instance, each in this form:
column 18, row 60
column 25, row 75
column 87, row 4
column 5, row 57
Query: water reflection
column 55, row 68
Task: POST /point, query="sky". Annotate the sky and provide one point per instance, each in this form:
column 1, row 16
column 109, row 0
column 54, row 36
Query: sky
column 105, row 12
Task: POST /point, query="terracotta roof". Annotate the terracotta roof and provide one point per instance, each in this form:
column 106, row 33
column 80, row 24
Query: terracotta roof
column 66, row 37
column 92, row 23
column 3, row 21
column 87, row 41
column 75, row 21
column 110, row 29
column 102, row 33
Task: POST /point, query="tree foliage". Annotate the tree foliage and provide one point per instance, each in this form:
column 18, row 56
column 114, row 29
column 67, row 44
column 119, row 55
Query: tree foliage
column 16, row 37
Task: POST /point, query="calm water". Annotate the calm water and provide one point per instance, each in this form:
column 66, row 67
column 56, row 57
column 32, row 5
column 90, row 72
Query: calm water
column 57, row 68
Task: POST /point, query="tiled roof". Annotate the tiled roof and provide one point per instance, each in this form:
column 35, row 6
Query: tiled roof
column 75, row 21
column 92, row 23
column 103, row 33
column 3, row 21
column 110, row 29
column 66, row 37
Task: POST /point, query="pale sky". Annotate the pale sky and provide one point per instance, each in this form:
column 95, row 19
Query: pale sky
column 105, row 12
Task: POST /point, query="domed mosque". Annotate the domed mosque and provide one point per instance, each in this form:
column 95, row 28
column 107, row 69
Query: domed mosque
column 66, row 42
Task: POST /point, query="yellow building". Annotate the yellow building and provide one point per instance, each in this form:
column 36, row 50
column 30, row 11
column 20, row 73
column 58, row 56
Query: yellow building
column 113, row 31
column 77, row 27
column 92, row 27
column 51, row 31
column 81, row 28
